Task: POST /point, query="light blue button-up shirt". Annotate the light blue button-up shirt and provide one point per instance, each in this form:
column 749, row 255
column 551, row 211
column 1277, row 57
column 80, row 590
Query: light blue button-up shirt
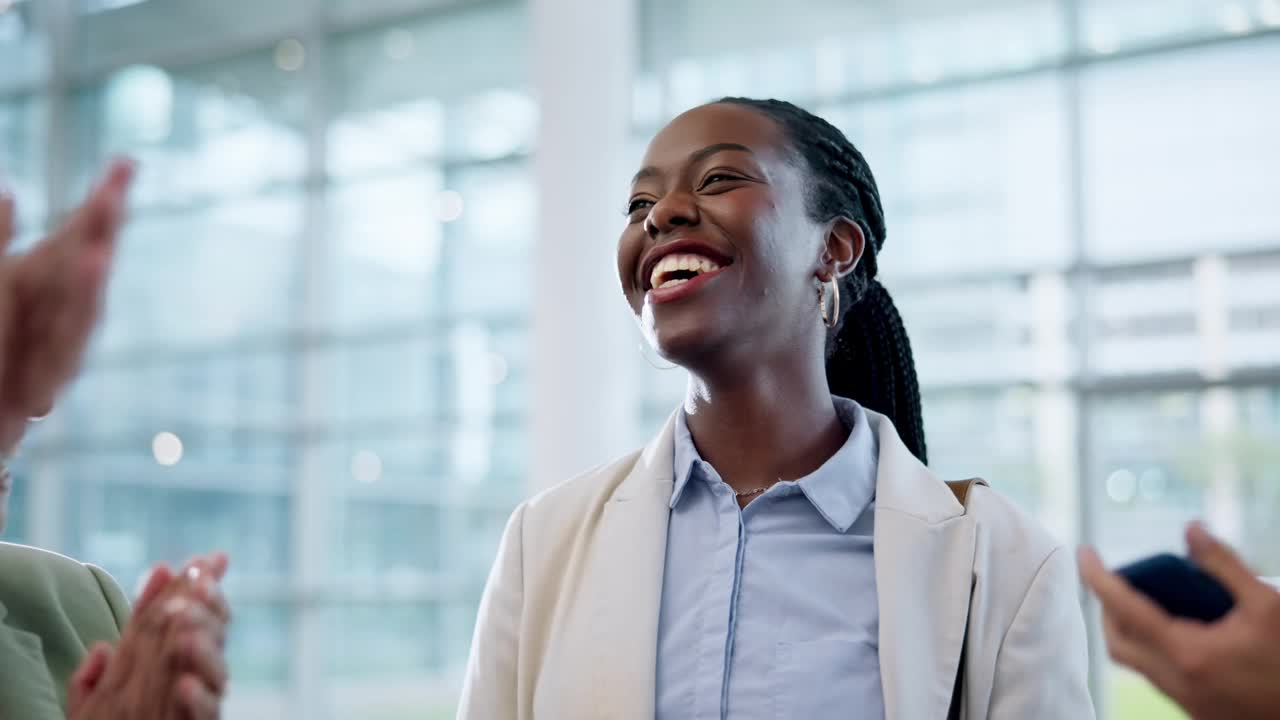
column 770, row 611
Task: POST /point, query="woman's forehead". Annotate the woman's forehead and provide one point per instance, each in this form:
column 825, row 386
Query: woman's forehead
column 714, row 124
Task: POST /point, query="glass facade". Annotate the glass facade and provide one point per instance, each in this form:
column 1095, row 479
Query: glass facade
column 318, row 348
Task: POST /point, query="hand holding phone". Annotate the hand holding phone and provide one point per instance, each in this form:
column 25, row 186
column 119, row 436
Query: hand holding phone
column 1179, row 586
column 1224, row 669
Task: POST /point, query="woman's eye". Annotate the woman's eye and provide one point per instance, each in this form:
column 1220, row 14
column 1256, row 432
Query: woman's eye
column 717, row 177
column 637, row 205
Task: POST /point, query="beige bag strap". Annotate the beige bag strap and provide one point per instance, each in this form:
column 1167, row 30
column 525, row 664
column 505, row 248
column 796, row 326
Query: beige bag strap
column 960, row 488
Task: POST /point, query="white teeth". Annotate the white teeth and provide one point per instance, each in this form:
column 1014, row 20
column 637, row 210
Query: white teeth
column 687, row 262
column 673, row 282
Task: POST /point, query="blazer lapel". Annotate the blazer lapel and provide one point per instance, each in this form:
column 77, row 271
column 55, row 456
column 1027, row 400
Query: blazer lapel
column 628, row 560
column 26, row 688
column 924, row 554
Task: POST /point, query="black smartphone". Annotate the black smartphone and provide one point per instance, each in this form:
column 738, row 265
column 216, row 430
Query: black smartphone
column 1179, row 586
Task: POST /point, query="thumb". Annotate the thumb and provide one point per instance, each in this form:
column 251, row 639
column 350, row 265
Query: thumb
column 1222, row 562
column 218, row 564
column 86, row 677
column 104, row 211
column 159, row 578
column 7, row 222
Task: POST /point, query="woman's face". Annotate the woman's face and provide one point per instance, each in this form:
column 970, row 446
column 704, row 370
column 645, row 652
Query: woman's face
column 719, row 254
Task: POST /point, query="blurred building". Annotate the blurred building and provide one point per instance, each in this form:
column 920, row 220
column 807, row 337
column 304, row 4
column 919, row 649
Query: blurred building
column 328, row 350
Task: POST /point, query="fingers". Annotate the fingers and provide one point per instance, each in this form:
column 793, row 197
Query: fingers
column 198, row 632
column 210, row 593
column 1131, row 653
column 1136, row 629
column 199, row 702
column 88, row 675
column 204, row 575
column 8, row 223
column 159, row 578
column 198, row 653
column 189, row 615
column 1135, row 616
column 59, row 287
column 104, row 211
column 1221, row 561
column 219, row 564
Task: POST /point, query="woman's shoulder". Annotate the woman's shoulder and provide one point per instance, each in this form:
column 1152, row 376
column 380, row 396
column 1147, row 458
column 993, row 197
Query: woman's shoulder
column 1014, row 542
column 30, row 575
column 1000, row 515
column 28, row 560
column 591, row 488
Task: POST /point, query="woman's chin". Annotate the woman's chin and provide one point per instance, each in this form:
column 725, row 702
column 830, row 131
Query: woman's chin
column 685, row 347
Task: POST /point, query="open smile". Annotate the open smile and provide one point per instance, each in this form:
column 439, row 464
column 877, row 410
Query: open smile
column 677, row 276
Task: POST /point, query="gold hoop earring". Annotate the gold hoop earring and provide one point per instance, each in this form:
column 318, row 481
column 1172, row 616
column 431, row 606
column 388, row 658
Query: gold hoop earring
column 829, row 319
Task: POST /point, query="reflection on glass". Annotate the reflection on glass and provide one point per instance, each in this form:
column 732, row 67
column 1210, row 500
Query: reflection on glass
column 109, row 31
column 379, row 138
column 972, row 333
column 257, row 648
column 1251, row 304
column 391, row 659
column 1109, row 26
column 224, row 271
column 490, row 245
column 1148, row 320
column 826, row 49
column 240, row 398
column 1155, row 148
column 22, row 171
column 973, row 179
column 383, row 382
column 213, row 130
column 387, row 246
column 394, row 106
column 390, row 543
column 125, row 523
column 24, row 52
column 1165, row 459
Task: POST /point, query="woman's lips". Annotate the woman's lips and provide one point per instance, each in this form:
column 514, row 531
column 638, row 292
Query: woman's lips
column 671, row 293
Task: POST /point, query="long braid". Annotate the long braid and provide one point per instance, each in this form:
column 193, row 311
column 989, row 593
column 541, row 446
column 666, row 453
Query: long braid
column 869, row 355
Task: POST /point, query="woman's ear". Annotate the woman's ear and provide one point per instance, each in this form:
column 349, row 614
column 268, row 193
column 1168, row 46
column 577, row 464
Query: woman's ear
column 842, row 248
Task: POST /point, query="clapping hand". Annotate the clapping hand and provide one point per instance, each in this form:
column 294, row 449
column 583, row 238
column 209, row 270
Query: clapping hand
column 51, row 299
column 169, row 663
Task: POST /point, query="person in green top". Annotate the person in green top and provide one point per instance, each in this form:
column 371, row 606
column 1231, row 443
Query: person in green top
column 69, row 645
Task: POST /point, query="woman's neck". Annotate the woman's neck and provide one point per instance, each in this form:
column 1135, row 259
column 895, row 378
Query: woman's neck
column 774, row 421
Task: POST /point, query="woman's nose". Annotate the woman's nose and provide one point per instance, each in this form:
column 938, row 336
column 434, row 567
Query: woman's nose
column 672, row 211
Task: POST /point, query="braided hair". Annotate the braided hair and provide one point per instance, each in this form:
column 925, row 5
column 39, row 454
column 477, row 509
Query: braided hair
column 868, row 354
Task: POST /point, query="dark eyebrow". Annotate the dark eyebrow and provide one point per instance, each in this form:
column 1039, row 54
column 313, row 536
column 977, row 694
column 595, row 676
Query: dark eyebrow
column 695, row 157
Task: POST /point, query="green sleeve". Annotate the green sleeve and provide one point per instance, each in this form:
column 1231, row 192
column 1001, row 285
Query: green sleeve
column 113, row 594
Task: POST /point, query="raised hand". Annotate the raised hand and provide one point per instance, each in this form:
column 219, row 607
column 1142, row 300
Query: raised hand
column 51, row 299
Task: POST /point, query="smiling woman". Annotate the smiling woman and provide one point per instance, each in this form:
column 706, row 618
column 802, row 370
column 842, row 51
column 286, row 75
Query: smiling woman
column 780, row 548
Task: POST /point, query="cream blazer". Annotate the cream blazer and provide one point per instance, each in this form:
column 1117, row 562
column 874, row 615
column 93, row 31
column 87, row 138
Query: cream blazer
column 568, row 625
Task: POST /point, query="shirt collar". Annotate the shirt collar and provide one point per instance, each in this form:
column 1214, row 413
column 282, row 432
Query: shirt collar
column 686, row 457
column 841, row 489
